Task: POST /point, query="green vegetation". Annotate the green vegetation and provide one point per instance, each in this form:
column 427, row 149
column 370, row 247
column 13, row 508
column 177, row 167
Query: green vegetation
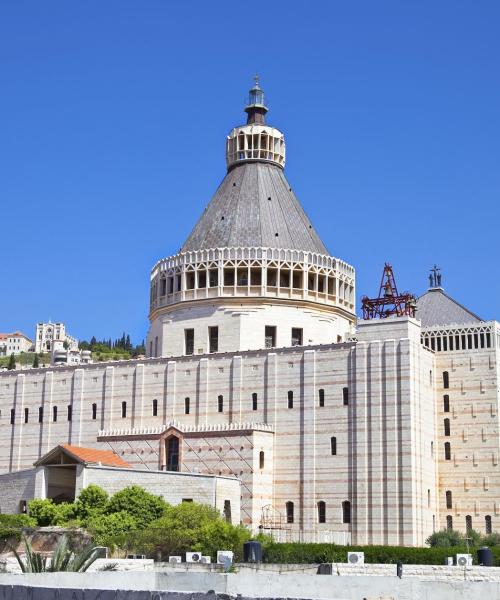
column 12, row 362
column 135, row 520
column 121, row 348
column 11, row 526
column 63, row 558
column 36, row 362
column 26, row 359
column 449, row 537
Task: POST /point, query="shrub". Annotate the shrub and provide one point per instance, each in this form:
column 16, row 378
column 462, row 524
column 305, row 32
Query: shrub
column 492, row 539
column 63, row 558
column 12, row 525
column 445, row 538
column 92, row 500
column 45, row 512
column 138, row 503
column 112, row 530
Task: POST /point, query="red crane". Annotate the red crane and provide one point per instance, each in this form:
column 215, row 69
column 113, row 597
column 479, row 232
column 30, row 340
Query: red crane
column 389, row 301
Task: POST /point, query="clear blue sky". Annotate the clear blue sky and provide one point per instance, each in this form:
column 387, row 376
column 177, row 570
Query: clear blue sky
column 113, row 117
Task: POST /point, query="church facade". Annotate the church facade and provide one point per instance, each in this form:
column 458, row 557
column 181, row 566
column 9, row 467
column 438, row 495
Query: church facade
column 337, row 429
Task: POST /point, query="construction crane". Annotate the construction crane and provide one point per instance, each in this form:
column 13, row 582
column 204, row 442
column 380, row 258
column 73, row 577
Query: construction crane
column 389, row 301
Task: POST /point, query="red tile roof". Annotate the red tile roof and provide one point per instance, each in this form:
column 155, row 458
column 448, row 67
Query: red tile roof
column 93, row 456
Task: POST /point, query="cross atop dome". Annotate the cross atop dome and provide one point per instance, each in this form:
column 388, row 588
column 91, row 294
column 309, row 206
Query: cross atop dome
column 435, row 277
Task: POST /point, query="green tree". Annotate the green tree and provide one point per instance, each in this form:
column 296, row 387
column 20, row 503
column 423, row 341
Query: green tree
column 46, row 513
column 445, row 538
column 36, row 362
column 91, row 501
column 112, row 530
column 138, row 503
column 12, row 362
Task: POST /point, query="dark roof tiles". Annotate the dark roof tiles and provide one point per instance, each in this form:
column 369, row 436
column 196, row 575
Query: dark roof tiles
column 437, row 308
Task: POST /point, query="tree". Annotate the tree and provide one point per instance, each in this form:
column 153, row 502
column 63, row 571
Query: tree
column 445, row 538
column 112, row 530
column 91, row 501
column 12, row 363
column 93, row 341
column 36, row 362
column 138, row 503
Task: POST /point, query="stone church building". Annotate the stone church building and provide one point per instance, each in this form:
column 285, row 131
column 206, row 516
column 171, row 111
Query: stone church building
column 262, row 392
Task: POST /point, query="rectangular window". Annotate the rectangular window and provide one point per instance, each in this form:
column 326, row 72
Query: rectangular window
column 345, row 396
column 187, row 499
column 155, row 408
column 70, row 412
column 26, row 414
column 213, row 339
column 220, row 404
column 54, row 413
column 333, row 445
column 12, row 416
column 40, row 414
column 156, row 346
column 296, row 336
column 124, row 410
column 321, row 512
column 94, row 412
column 186, row 406
column 189, row 341
column 321, row 395
column 227, row 511
column 290, row 399
column 254, row 401
column 270, row 336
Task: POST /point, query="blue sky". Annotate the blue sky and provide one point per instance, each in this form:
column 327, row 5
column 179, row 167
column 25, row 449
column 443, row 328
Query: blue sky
column 113, row 117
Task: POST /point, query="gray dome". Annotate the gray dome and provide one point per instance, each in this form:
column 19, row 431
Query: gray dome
column 254, row 207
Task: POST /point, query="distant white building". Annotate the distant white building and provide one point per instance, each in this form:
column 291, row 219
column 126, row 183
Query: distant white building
column 47, row 333
column 69, row 356
column 14, row 343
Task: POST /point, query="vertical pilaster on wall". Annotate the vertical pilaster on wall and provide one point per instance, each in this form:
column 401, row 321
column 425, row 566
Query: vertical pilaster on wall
column 138, row 408
column 17, row 441
column 235, row 408
column 171, row 387
column 270, row 408
column 360, row 443
column 377, row 450
column 202, row 412
column 392, row 449
column 41, row 483
column 308, row 442
column 80, row 479
column 108, row 400
column 78, row 412
column 48, row 390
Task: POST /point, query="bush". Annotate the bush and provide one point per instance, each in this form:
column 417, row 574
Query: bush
column 190, row 526
column 492, row 539
column 12, row 525
column 138, row 503
column 112, row 530
column 91, row 501
column 445, row 538
column 46, row 513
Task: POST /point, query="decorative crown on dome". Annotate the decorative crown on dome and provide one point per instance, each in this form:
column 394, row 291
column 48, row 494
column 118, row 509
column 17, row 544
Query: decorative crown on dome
column 255, row 141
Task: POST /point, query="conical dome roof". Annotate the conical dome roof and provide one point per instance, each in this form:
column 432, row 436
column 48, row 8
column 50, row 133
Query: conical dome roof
column 254, row 207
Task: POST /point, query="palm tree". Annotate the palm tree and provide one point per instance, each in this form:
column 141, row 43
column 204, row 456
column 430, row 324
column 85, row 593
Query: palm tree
column 63, row 558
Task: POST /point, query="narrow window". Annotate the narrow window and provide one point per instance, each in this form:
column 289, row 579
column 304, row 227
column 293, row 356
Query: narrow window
column 446, row 403
column 187, row 500
column 40, row 414
column 70, row 412
column 449, row 522
column 220, row 404
column 151, row 348
column 156, row 345
column 290, row 399
column 446, row 380
column 186, row 405
column 321, row 395
column 26, row 415
column 213, row 337
column 345, row 396
column 296, row 336
column 173, row 453
column 487, row 524
column 124, row 410
column 333, row 445
column 468, row 523
column 346, row 511
column 94, row 411
column 449, row 499
column 321, row 512
column 227, row 511
column 428, row 498
column 447, row 451
column 447, row 427
column 254, row 401
column 270, row 336
column 12, row 416
column 289, row 512
column 189, row 341
column 54, row 413
column 155, row 408
column 23, row 507
column 261, row 459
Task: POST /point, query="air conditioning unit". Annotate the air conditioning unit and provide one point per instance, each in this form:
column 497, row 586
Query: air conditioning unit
column 175, row 560
column 464, row 560
column 193, row 557
column 356, row 558
column 206, row 560
column 225, row 557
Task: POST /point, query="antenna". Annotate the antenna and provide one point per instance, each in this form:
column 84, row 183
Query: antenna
column 389, row 301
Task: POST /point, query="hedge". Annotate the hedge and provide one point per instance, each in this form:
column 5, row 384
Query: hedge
column 297, row 553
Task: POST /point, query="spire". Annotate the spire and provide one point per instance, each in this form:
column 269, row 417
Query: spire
column 435, row 277
column 256, row 108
